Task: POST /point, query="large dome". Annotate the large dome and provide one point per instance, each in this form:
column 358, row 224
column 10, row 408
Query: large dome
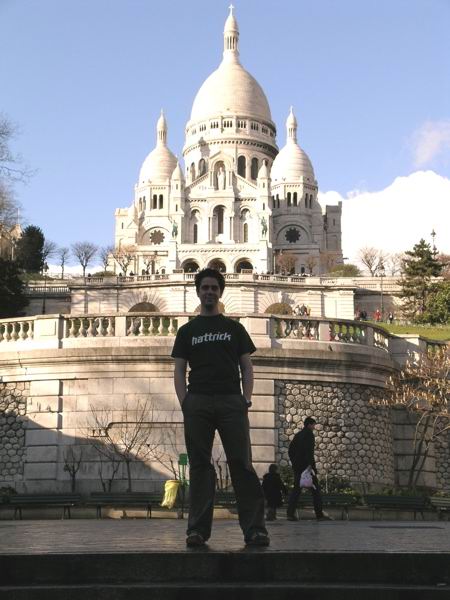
column 230, row 89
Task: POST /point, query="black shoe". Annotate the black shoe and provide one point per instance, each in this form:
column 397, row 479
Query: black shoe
column 195, row 540
column 258, row 539
column 291, row 518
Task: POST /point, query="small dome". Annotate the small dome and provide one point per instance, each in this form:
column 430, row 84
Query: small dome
column 160, row 163
column 264, row 170
column 178, row 173
column 291, row 163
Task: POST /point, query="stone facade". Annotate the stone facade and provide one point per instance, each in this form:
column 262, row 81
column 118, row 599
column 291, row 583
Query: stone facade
column 354, row 440
column 240, row 202
column 13, row 404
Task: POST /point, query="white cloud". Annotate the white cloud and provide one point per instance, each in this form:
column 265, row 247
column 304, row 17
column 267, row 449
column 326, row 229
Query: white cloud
column 430, row 141
column 394, row 219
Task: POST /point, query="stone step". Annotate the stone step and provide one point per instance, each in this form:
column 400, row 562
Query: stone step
column 205, row 567
column 223, row 591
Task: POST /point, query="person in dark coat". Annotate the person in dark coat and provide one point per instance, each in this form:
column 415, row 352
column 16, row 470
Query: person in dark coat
column 274, row 490
column 301, row 454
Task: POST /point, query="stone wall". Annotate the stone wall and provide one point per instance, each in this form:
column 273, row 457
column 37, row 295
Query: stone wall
column 443, row 462
column 13, row 404
column 353, row 439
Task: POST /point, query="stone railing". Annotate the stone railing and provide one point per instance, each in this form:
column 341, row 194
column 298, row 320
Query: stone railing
column 267, row 330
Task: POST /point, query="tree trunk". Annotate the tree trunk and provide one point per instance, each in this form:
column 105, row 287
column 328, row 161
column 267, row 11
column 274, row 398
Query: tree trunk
column 128, row 465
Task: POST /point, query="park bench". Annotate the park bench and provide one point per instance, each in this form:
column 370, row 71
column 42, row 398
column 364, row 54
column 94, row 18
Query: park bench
column 124, row 500
column 225, row 499
column 64, row 501
column 342, row 501
column 412, row 503
column 442, row 505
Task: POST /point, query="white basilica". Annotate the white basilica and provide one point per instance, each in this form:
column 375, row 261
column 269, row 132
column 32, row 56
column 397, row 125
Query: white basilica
column 241, row 201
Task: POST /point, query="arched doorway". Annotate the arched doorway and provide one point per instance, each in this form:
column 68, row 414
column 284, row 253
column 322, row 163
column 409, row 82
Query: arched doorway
column 243, row 264
column 218, row 264
column 190, row 266
column 144, row 307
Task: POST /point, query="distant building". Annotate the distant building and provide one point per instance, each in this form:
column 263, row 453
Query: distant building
column 9, row 236
column 240, row 201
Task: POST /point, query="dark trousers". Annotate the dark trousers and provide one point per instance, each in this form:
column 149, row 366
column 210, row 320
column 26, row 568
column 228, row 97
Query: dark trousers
column 295, row 494
column 228, row 414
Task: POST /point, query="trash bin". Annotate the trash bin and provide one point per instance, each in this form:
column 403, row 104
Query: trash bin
column 170, row 493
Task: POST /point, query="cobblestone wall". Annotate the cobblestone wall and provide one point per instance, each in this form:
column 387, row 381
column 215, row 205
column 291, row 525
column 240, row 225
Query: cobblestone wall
column 442, row 450
column 13, row 405
column 353, row 439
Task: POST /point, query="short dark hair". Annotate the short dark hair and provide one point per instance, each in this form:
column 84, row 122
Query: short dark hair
column 210, row 273
column 309, row 421
column 273, row 468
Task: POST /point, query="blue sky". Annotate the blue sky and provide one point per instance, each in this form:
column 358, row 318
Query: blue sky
column 85, row 81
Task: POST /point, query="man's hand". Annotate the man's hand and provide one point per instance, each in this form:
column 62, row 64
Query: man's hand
column 179, row 378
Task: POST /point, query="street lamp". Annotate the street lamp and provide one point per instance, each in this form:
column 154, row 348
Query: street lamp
column 382, row 274
column 44, row 270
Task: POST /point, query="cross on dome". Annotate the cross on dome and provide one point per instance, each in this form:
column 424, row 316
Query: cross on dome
column 231, row 7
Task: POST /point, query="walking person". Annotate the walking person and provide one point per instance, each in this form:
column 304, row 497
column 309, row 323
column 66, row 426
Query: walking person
column 274, row 490
column 301, row 454
column 218, row 350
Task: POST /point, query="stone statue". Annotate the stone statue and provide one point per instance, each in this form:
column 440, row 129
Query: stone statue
column 263, row 226
column 174, row 230
column 221, row 179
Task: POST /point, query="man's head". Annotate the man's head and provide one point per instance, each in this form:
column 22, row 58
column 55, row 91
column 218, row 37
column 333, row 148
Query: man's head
column 209, row 284
column 309, row 423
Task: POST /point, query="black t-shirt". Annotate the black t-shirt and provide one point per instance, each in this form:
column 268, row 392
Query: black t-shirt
column 212, row 346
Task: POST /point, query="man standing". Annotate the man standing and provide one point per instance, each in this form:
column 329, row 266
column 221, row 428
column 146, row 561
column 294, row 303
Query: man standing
column 301, row 453
column 217, row 348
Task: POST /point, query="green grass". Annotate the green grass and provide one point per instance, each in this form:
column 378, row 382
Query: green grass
column 426, row 331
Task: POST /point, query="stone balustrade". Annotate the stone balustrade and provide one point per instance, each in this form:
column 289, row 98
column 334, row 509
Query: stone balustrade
column 61, row 331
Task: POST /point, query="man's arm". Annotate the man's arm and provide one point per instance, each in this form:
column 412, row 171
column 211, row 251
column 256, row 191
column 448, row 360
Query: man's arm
column 245, row 362
column 179, row 378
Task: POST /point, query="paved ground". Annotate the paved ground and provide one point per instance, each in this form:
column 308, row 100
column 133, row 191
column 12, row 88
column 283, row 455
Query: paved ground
column 168, row 535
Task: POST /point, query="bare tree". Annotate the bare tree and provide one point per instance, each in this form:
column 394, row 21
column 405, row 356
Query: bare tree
column 422, row 387
column 11, row 165
column 72, row 463
column 124, row 257
column 85, row 253
column 311, row 262
column 63, row 255
column 286, row 262
column 393, row 263
column 48, row 250
column 9, row 207
column 444, row 259
column 328, row 260
column 104, row 254
column 125, row 433
column 370, row 258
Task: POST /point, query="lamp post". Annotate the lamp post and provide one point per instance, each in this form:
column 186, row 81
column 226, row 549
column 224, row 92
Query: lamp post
column 382, row 274
column 44, row 270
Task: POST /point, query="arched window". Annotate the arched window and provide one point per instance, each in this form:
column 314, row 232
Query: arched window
column 201, row 167
column 278, row 201
column 288, row 198
column 161, row 201
column 155, row 201
column 195, row 236
column 192, row 172
column 140, row 204
column 254, row 169
column 273, row 202
column 241, row 166
column 295, row 198
column 245, row 233
column 220, row 219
